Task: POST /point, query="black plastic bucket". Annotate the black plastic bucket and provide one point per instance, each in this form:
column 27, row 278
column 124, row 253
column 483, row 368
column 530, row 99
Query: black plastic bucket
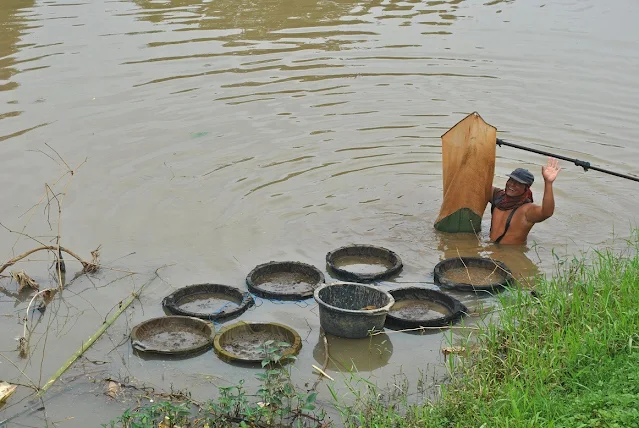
column 352, row 310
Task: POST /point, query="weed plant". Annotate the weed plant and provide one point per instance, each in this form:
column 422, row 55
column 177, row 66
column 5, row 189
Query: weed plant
column 277, row 403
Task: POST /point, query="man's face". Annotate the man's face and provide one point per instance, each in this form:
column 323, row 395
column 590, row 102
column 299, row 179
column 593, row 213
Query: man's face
column 514, row 188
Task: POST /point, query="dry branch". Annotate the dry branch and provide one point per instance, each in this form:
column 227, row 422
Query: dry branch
column 23, row 342
column 87, row 267
column 24, row 280
column 444, row 327
column 34, row 386
column 322, row 371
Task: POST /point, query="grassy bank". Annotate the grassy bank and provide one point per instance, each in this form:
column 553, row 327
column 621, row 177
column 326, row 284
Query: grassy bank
column 566, row 355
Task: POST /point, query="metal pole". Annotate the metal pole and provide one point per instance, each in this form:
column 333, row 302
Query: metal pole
column 585, row 165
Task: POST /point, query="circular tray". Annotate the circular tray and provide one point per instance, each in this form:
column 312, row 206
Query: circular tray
column 172, row 335
column 284, row 280
column 363, row 263
column 420, row 307
column 446, row 268
column 208, row 301
column 241, row 341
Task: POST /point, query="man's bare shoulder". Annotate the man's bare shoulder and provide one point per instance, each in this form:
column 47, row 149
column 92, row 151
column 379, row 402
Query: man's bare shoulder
column 528, row 208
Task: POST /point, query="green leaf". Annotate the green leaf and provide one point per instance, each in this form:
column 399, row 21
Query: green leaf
column 333, row 393
column 311, row 398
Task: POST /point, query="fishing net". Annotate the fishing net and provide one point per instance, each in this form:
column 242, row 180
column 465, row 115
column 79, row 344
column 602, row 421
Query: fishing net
column 468, row 163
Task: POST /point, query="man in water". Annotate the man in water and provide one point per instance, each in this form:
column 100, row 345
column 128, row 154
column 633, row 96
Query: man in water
column 513, row 211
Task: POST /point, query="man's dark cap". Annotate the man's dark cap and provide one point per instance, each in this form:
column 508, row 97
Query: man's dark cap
column 523, row 176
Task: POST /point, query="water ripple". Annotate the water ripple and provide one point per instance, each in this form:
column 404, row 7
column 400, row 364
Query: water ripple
column 215, row 129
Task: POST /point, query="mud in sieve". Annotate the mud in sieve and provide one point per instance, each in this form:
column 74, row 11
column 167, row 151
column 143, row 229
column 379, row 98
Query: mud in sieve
column 472, row 274
column 284, row 280
column 172, row 335
column 363, row 263
column 421, row 307
column 244, row 342
column 208, row 301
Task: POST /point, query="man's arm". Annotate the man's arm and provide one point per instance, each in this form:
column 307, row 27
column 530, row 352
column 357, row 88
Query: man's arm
column 536, row 213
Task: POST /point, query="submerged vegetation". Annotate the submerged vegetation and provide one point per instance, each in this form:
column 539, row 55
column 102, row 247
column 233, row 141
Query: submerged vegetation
column 565, row 355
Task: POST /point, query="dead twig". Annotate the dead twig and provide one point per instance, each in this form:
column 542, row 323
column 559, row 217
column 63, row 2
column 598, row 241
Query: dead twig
column 63, row 161
column 33, row 385
column 445, row 327
column 460, row 350
column 23, row 342
column 24, row 280
column 94, row 265
column 322, row 371
column 60, row 267
column 86, row 266
column 461, row 259
column 21, row 234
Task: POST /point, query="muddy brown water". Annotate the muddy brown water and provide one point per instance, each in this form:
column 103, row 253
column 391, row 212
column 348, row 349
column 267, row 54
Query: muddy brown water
column 223, row 135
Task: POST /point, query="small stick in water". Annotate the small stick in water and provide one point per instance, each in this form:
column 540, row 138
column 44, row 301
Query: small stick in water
column 322, row 372
column 60, row 264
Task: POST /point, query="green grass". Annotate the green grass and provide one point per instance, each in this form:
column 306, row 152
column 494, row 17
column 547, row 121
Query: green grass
column 567, row 358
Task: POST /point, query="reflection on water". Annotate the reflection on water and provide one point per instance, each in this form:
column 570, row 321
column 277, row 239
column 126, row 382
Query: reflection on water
column 13, row 22
column 264, row 19
column 515, row 257
column 269, row 30
column 354, row 355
